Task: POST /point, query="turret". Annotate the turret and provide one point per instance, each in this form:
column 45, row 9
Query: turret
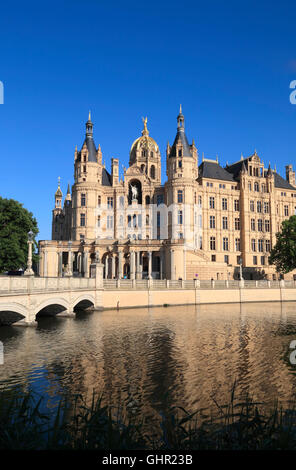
column 114, row 171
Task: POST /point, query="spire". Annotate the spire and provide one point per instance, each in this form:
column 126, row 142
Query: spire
column 180, row 120
column 244, row 169
column 68, row 196
column 89, row 126
column 269, row 172
column 58, row 192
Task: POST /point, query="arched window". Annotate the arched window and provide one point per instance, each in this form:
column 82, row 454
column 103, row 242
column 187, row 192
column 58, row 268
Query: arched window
column 121, row 201
column 152, row 172
column 147, row 219
column 151, row 154
column 142, row 168
column 256, row 187
column 147, row 200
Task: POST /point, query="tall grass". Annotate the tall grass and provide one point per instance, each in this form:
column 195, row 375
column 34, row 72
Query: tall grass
column 243, row 425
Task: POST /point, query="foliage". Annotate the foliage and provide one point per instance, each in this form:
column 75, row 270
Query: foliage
column 283, row 254
column 15, row 223
column 239, row 425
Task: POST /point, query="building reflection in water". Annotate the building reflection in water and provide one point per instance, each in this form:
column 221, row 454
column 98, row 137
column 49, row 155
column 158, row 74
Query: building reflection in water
column 151, row 359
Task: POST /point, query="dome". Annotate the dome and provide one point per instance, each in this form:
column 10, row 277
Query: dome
column 145, row 142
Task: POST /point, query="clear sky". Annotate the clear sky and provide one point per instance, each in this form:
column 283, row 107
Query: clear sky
column 229, row 64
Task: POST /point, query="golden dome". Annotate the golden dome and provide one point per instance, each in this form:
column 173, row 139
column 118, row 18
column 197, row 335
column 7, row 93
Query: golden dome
column 144, row 142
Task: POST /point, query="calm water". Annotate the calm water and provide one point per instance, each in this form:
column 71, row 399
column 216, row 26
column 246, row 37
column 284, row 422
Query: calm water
column 180, row 356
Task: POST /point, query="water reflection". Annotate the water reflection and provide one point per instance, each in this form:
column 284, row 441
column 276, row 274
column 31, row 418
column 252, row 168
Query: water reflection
column 153, row 358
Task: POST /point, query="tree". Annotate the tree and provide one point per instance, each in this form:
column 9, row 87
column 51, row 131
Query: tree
column 15, row 223
column 283, row 254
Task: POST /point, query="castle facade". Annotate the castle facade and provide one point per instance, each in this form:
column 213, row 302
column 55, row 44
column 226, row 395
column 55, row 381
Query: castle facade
column 204, row 222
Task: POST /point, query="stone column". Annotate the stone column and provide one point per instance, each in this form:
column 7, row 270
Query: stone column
column 184, row 265
column 172, row 255
column 113, row 266
column 45, row 264
column 138, row 266
column 60, row 255
column 149, row 264
column 106, row 266
column 132, row 265
column 120, row 264
column 85, row 262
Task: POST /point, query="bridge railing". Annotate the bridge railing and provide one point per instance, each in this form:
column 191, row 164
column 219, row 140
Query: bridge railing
column 17, row 284
column 12, row 285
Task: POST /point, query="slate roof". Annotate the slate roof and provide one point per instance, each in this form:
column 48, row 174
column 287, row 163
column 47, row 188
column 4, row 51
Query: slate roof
column 214, row 171
column 280, row 182
column 92, row 153
column 106, row 178
column 186, row 147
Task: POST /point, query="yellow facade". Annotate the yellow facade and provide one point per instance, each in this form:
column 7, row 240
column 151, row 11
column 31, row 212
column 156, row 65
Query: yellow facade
column 201, row 224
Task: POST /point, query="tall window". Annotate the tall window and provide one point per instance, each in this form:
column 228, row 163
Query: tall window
column 237, row 223
column 225, row 244
column 110, row 202
column 82, row 199
column 256, row 187
column 99, row 221
column 236, row 204
column 109, row 221
column 99, row 201
column 199, row 201
column 267, row 245
column 224, row 204
column 255, row 260
column 226, row 259
column 253, row 244
column 260, row 246
column 212, row 243
column 212, row 221
column 253, row 224
column 212, row 202
column 82, row 220
column 180, row 196
column 286, row 210
column 237, row 244
column 152, row 172
column 266, row 207
column 180, row 217
column 267, row 225
column 252, row 207
column 224, row 223
column 259, row 206
column 260, row 225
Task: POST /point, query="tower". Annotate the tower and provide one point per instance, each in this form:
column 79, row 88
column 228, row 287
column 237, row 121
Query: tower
column 57, row 213
column 182, row 158
column 145, row 155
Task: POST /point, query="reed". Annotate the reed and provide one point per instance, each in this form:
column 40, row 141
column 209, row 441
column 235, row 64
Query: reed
column 238, row 425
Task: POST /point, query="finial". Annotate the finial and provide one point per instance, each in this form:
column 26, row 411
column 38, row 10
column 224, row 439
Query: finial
column 89, row 116
column 193, row 143
column 216, row 157
column 145, row 130
column 203, row 156
column 180, row 109
column 255, row 152
column 59, row 181
column 242, row 157
column 275, row 168
column 68, row 190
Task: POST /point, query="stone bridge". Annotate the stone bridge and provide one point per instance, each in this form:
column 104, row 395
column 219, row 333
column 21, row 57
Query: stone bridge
column 23, row 299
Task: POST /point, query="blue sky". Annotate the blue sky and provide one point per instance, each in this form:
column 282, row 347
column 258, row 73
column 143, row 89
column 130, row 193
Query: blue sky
column 229, row 64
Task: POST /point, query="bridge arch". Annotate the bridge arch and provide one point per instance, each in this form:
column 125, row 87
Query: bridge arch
column 51, row 307
column 83, row 301
column 12, row 312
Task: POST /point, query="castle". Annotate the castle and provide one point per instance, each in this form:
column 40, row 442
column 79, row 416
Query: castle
column 204, row 222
